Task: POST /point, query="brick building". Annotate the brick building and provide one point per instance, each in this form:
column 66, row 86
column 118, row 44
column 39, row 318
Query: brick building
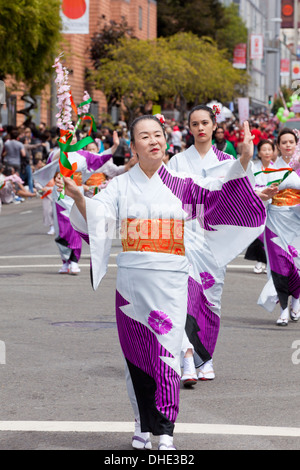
column 141, row 16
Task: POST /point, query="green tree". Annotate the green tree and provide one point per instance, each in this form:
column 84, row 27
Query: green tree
column 278, row 103
column 29, row 37
column 210, row 75
column 183, row 67
column 110, row 34
column 202, row 18
column 232, row 31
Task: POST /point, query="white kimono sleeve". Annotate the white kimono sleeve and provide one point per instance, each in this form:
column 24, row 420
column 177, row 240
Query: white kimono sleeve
column 100, row 226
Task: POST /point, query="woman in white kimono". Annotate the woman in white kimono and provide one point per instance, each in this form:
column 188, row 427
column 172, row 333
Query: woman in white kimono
column 282, row 236
column 150, row 204
column 206, row 277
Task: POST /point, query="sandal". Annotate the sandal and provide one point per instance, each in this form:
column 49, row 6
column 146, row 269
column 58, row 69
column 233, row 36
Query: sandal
column 282, row 322
column 295, row 316
column 189, row 380
column 141, row 444
column 166, row 447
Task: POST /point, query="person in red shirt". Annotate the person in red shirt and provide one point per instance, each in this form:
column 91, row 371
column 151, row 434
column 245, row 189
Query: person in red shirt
column 257, row 138
column 231, row 136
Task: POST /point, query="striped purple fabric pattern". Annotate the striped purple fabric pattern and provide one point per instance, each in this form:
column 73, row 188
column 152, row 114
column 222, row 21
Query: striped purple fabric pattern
column 84, row 237
column 141, row 347
column 221, row 155
column 282, row 262
column 67, row 232
column 207, row 321
column 94, row 161
column 235, row 204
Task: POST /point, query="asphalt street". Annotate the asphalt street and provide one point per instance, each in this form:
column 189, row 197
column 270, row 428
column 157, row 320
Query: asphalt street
column 62, row 381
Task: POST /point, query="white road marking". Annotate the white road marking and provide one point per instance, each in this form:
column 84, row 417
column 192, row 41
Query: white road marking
column 43, row 256
column 112, row 255
column 114, row 427
column 24, row 266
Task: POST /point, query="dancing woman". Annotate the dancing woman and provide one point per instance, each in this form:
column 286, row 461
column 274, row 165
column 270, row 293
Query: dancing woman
column 282, row 235
column 205, row 160
column 151, row 204
column 206, row 275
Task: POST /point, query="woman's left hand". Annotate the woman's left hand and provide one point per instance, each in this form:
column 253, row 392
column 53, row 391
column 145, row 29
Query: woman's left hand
column 269, row 192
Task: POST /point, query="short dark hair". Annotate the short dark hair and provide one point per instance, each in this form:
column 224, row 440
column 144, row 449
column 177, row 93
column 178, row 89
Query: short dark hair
column 142, row 118
column 202, row 107
column 285, row 131
column 263, row 142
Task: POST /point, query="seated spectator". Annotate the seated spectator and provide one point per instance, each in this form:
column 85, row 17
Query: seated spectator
column 18, row 184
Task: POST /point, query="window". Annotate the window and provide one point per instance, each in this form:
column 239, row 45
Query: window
column 140, row 18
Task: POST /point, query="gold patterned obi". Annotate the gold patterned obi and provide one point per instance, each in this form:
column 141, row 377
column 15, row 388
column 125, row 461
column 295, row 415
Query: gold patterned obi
column 156, row 235
column 287, row 197
column 77, row 177
column 96, row 179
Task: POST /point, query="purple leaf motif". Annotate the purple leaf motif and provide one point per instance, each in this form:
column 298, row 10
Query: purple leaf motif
column 207, row 280
column 160, row 322
column 293, row 251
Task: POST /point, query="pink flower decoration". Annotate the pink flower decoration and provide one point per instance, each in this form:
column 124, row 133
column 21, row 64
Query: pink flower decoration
column 293, row 251
column 207, row 280
column 85, row 108
column 64, row 116
column 160, row 322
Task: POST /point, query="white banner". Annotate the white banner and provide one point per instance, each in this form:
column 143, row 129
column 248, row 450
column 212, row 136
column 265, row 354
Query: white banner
column 256, row 46
column 75, row 16
column 243, row 106
column 295, row 70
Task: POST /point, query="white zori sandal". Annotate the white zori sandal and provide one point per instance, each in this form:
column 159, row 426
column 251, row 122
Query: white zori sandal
column 140, row 440
column 283, row 320
column 166, row 443
column 295, row 309
column 141, row 444
column 206, row 371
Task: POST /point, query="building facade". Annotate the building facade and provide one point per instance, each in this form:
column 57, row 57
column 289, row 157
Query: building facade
column 141, row 16
column 263, row 18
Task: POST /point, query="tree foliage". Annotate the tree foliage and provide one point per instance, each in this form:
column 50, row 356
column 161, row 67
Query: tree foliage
column 29, row 37
column 202, row 18
column 183, row 67
column 110, row 34
column 233, row 30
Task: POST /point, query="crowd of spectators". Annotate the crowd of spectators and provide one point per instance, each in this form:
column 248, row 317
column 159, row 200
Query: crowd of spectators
column 25, row 149
column 228, row 136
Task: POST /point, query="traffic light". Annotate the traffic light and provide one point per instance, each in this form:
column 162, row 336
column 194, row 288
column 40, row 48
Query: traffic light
column 270, row 100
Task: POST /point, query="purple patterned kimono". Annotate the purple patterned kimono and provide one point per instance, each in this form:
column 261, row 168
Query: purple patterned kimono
column 152, row 282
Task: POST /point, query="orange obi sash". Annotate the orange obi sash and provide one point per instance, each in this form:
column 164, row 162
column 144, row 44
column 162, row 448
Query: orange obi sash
column 157, row 235
column 77, row 177
column 96, row 179
column 287, row 197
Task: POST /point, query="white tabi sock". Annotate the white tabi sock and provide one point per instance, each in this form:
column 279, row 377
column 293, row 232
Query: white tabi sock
column 295, row 304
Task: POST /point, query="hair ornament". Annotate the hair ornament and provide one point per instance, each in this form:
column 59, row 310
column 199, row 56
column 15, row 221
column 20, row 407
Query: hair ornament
column 161, row 118
column 216, row 109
